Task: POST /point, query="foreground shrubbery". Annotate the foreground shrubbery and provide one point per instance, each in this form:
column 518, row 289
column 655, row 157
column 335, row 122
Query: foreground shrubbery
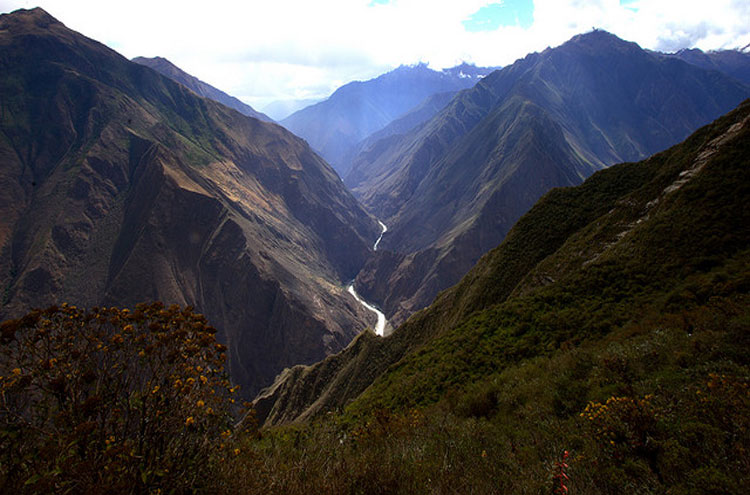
column 111, row 401
column 661, row 406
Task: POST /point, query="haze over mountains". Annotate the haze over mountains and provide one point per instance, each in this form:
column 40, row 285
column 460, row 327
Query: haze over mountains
column 354, row 111
column 119, row 185
column 452, row 187
column 281, row 109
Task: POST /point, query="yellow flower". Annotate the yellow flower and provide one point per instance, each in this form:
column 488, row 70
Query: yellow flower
column 178, row 383
column 201, row 403
column 189, row 421
column 236, row 451
column 156, row 389
column 226, row 434
column 17, row 371
column 190, row 381
column 204, row 380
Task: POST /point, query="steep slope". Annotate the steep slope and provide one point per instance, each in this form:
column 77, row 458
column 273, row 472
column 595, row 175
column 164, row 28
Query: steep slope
column 450, row 189
column 118, row 185
column 734, row 63
column 356, row 110
column 398, row 127
column 633, row 241
column 167, row 68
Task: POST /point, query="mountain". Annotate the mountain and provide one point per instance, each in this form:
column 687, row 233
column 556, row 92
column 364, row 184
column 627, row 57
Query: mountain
column 119, row 185
column 734, row 63
column 281, row 109
column 167, row 68
column 356, row 110
column 402, row 125
column 602, row 348
column 638, row 251
column 451, row 188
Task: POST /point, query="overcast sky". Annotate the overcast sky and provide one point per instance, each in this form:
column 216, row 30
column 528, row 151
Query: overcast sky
column 260, row 51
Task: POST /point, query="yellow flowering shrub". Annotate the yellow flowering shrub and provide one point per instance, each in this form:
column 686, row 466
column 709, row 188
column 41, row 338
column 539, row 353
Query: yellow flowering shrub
column 109, row 400
column 622, row 424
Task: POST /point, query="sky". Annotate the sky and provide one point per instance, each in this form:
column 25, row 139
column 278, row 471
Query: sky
column 261, row 51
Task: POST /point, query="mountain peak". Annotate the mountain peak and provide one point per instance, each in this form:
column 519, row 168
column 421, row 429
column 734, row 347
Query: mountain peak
column 37, row 17
column 599, row 39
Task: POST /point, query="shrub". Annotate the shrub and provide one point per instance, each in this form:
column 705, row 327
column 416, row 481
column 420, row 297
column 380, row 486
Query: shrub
column 110, row 400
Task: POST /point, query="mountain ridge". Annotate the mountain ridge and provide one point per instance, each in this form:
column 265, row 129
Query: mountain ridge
column 121, row 185
column 167, row 68
column 593, row 242
column 357, row 109
column 451, row 188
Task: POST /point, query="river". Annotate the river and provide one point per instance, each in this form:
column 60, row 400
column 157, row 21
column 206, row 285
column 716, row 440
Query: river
column 382, row 322
column 382, row 226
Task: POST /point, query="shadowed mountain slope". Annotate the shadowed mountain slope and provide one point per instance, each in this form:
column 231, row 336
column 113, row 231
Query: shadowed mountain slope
column 636, row 239
column 734, row 63
column 450, row 189
column 118, row 185
column 354, row 111
column 167, row 68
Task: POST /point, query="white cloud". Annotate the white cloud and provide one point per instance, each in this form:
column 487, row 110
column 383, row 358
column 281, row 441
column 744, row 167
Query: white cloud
column 263, row 50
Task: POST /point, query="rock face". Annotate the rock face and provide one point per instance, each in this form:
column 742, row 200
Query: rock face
column 167, row 68
column 354, row 111
column 118, row 185
column 583, row 261
column 451, row 188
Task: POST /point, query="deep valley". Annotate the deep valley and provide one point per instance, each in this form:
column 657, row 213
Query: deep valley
column 531, row 278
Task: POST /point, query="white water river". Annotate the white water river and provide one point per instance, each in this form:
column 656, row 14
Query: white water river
column 382, row 226
column 380, row 326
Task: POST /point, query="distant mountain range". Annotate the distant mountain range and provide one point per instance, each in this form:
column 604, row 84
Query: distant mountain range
column 281, row 109
column 167, row 68
column 451, row 188
column 119, row 185
column 334, row 126
column 731, row 62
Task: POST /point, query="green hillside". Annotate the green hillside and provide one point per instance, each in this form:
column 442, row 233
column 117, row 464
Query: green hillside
column 654, row 251
column 612, row 323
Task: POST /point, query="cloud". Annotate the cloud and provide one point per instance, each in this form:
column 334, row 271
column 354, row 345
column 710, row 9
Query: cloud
column 261, row 50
